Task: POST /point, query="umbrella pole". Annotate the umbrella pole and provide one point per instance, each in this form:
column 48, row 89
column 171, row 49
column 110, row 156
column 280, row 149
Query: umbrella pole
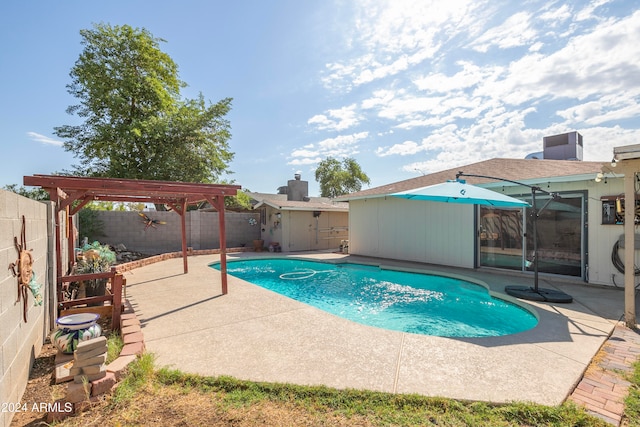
column 536, row 293
column 527, row 292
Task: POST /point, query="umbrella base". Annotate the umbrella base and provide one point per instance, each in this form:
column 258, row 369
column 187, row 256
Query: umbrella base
column 541, row 294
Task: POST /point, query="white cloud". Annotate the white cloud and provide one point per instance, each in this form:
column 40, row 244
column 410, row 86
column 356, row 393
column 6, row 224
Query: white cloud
column 517, row 30
column 338, row 147
column 341, row 142
column 404, row 149
column 548, row 72
column 470, row 75
column 391, row 36
column 44, row 139
column 557, row 16
column 337, row 119
column 593, row 64
column 588, row 11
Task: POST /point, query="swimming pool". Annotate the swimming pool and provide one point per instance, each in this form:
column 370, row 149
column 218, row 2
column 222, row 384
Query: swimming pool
column 390, row 299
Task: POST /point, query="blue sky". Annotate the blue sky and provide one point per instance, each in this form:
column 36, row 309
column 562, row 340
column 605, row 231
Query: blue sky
column 404, row 87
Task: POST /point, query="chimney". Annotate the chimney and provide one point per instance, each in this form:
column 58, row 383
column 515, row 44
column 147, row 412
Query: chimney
column 297, row 190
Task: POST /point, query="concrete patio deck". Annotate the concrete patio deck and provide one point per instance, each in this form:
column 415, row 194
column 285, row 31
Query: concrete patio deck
column 255, row 334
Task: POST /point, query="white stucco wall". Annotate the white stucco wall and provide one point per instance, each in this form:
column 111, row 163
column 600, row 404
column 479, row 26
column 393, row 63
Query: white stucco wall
column 437, row 233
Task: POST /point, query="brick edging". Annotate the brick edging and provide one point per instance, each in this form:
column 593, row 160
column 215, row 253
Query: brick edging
column 603, row 388
column 128, row 266
column 79, row 397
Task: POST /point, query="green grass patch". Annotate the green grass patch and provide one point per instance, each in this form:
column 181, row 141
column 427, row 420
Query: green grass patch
column 140, row 374
column 146, row 390
column 114, row 346
column 632, row 401
column 379, row 408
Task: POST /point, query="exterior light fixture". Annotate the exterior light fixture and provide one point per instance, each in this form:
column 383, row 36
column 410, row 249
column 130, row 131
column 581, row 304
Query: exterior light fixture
column 599, row 177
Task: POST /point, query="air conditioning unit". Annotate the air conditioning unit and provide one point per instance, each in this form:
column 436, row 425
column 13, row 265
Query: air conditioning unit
column 566, row 146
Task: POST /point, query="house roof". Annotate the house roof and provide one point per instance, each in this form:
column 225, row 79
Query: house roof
column 279, row 201
column 527, row 171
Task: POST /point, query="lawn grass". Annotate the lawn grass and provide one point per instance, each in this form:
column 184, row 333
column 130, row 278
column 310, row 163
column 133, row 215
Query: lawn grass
column 114, row 346
column 150, row 396
column 632, row 401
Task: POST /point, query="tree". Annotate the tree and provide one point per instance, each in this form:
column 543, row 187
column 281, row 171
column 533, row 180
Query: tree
column 32, row 193
column 135, row 123
column 337, row 178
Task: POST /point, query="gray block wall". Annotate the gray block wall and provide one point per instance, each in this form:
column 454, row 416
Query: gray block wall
column 21, row 342
column 202, row 229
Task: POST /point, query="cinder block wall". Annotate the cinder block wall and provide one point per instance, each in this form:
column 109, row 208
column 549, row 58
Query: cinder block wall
column 202, row 228
column 21, row 342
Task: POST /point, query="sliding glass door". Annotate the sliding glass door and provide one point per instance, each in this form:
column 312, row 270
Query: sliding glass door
column 501, row 238
column 506, row 236
column 560, row 235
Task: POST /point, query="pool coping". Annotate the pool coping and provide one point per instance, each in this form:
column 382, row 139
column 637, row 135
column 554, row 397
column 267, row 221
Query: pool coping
column 259, row 335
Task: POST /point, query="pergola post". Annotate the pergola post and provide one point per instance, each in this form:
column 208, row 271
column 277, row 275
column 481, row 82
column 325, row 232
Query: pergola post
column 218, row 205
column 183, row 225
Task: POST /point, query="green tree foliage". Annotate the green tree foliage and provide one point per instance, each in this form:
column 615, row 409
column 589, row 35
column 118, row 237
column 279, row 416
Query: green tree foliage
column 135, row 123
column 337, row 178
column 33, row 193
column 241, row 201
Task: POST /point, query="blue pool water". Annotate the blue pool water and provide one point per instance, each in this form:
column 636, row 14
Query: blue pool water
column 396, row 300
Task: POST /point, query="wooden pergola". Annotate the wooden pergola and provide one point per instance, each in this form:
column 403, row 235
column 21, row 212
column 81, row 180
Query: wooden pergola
column 65, row 191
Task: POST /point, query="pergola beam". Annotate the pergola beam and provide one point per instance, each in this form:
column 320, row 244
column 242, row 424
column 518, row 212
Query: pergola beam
column 65, row 190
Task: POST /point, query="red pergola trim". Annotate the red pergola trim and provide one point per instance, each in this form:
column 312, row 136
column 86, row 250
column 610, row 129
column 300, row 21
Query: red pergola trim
column 65, row 190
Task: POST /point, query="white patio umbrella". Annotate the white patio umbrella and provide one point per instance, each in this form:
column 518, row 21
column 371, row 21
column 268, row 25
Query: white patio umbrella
column 460, row 192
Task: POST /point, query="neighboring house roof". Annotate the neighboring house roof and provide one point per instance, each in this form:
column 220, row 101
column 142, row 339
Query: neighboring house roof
column 527, row 171
column 279, row 201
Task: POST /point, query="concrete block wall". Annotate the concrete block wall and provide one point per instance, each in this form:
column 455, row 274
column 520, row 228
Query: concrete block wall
column 21, row 342
column 129, row 229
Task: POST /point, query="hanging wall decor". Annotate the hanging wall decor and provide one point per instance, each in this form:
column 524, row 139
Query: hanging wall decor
column 148, row 222
column 23, row 269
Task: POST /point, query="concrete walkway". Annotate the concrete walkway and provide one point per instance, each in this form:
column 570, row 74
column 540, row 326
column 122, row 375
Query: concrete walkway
column 255, row 334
